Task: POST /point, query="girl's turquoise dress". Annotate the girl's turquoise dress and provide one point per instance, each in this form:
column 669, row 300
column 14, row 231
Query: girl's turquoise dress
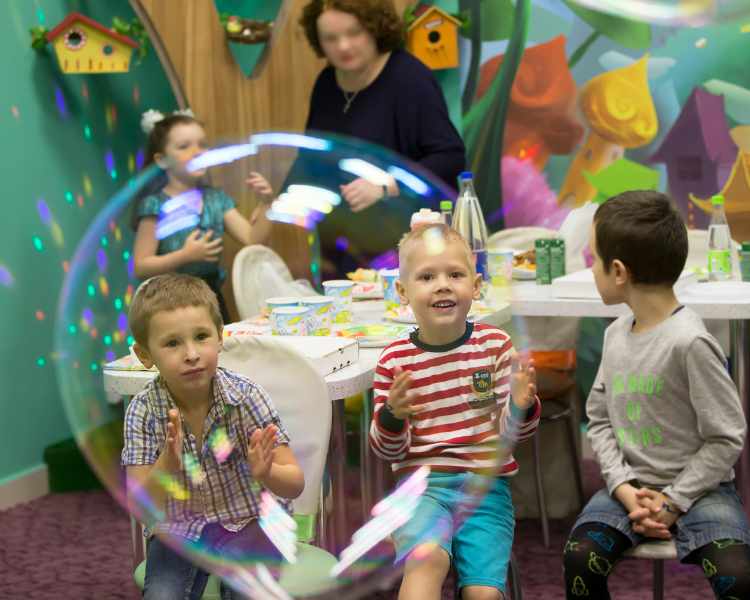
column 211, row 216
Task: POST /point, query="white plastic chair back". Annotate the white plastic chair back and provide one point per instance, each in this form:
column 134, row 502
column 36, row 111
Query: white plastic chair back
column 538, row 333
column 519, row 238
column 258, row 273
column 300, row 395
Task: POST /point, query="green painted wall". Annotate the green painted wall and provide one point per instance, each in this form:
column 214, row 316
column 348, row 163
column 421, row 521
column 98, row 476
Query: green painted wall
column 57, row 131
column 450, row 79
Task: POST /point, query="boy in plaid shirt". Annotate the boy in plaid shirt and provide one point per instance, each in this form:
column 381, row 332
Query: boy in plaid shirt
column 200, row 441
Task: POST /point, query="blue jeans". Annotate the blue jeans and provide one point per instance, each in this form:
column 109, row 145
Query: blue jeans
column 171, row 576
column 716, row 516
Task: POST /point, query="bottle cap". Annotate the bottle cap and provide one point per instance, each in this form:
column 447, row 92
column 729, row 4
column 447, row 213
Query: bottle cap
column 465, row 175
column 446, row 205
column 717, row 200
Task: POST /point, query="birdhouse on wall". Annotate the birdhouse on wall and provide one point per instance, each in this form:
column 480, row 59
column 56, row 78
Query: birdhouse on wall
column 84, row 46
column 433, row 37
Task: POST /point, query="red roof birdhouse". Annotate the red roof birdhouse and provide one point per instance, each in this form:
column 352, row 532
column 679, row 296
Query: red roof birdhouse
column 83, row 45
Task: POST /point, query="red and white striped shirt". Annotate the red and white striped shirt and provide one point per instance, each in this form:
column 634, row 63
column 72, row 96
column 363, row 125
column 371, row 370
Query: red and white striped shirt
column 465, row 387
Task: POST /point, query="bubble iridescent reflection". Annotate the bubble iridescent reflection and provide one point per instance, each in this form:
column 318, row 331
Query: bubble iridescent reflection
column 91, row 329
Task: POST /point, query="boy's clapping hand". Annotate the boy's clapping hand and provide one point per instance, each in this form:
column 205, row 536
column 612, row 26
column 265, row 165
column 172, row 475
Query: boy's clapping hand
column 173, row 444
column 522, row 381
column 400, row 398
column 260, row 451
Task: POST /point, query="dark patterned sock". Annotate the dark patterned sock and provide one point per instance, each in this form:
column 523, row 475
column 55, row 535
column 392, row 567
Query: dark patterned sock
column 590, row 555
column 726, row 565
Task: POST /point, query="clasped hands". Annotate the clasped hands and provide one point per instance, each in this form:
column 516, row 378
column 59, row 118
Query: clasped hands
column 647, row 511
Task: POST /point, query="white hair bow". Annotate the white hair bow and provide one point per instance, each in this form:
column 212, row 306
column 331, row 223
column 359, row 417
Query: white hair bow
column 151, row 117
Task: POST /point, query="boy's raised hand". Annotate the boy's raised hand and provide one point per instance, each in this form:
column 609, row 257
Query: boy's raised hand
column 173, row 444
column 260, row 451
column 522, row 381
column 400, row 398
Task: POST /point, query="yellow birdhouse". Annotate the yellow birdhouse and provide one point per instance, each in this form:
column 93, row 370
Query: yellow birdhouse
column 84, row 46
column 433, row 37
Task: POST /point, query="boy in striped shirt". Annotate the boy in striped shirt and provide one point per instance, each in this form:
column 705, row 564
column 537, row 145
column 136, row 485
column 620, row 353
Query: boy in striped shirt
column 446, row 397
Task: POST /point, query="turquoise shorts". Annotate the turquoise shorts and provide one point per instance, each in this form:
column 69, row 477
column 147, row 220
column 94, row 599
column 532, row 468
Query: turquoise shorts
column 477, row 538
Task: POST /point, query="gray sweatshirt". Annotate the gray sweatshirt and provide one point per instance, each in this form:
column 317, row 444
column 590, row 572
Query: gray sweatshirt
column 663, row 409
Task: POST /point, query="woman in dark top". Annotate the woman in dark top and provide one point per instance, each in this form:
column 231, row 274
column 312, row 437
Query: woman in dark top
column 374, row 90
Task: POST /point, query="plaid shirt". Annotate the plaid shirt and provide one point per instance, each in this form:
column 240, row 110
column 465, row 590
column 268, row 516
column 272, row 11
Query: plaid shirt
column 217, row 486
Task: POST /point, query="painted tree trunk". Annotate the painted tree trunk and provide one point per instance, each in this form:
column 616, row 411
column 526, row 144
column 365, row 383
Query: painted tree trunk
column 484, row 125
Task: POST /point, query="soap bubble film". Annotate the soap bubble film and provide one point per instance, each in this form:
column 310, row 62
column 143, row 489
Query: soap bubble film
column 92, row 329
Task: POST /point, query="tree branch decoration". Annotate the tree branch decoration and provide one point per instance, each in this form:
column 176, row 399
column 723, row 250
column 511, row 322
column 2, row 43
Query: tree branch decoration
column 246, row 31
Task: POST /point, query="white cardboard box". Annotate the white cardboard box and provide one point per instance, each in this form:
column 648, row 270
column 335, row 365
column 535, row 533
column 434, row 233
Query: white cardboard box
column 581, row 284
column 327, row 354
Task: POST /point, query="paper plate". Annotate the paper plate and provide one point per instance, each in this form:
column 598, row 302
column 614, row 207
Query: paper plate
column 409, row 318
column 367, row 291
column 374, row 336
column 524, row 274
column 718, row 290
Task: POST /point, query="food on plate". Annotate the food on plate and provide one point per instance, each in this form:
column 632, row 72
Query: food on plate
column 363, row 275
column 525, row 260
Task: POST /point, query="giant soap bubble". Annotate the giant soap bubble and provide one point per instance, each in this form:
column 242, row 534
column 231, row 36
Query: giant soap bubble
column 693, row 13
column 92, row 330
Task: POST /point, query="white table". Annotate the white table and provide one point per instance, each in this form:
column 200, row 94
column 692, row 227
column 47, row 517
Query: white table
column 530, row 300
column 343, row 383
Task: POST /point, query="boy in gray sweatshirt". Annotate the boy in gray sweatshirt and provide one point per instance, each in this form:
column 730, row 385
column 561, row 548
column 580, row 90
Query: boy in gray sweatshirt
column 665, row 421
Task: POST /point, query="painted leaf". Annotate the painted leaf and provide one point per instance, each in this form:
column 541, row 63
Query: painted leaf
column 629, row 33
column 497, row 20
column 736, row 98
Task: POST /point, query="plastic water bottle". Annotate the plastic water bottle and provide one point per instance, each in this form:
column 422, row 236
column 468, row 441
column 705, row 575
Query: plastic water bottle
column 446, row 209
column 719, row 243
column 469, row 222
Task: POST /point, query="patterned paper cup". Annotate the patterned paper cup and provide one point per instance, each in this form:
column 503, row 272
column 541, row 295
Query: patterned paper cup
column 390, row 295
column 320, row 314
column 500, row 266
column 341, row 291
column 289, row 320
column 279, row 301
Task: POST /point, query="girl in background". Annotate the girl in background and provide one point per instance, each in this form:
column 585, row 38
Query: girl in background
column 173, row 141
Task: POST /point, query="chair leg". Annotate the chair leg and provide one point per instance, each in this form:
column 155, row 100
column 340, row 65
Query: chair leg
column 541, row 500
column 365, row 458
column 658, row 580
column 573, row 432
column 514, row 580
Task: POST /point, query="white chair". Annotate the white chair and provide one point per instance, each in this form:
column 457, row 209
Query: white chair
column 519, row 238
column 258, row 273
column 658, row 551
column 300, row 396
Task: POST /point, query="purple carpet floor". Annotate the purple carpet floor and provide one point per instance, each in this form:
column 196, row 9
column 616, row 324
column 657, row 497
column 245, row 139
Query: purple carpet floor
column 77, row 546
